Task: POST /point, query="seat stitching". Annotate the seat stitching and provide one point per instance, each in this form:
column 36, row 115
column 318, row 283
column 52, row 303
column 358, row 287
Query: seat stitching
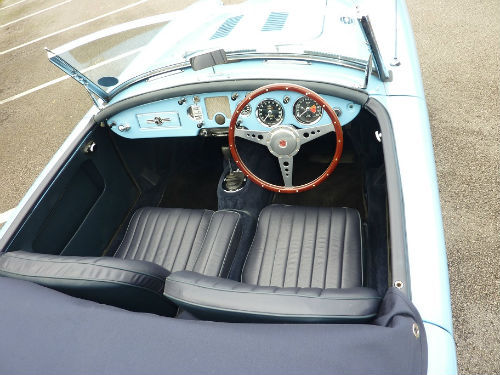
column 157, row 248
column 325, row 276
column 301, row 249
column 132, row 234
column 164, row 257
column 204, row 237
column 182, row 239
column 276, row 248
column 137, row 213
column 260, row 313
column 288, row 249
column 250, row 248
column 343, row 249
column 264, row 247
column 170, row 242
column 253, row 291
column 161, row 240
column 194, row 238
column 230, row 242
column 136, row 249
column 361, row 248
column 314, row 248
column 111, row 281
column 225, row 255
column 146, row 249
column 65, row 261
column 212, row 244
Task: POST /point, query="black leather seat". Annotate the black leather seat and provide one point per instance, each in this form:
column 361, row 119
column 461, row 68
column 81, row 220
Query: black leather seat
column 304, row 265
column 157, row 241
column 183, row 239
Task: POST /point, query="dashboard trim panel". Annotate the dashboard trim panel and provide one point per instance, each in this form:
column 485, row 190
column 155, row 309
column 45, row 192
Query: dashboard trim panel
column 347, row 93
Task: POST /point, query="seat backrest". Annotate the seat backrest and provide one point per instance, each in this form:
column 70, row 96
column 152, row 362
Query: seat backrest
column 306, row 247
column 130, row 284
column 183, row 239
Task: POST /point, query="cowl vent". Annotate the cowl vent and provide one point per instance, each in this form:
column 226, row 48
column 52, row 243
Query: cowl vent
column 228, row 25
column 275, row 21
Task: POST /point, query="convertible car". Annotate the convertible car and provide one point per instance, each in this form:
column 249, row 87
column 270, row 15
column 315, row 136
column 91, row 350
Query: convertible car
column 253, row 192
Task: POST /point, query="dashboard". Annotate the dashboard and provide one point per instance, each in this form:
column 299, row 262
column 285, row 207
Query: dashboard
column 209, row 114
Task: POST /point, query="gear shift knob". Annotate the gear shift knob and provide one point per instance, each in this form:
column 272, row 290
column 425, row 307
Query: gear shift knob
column 235, row 179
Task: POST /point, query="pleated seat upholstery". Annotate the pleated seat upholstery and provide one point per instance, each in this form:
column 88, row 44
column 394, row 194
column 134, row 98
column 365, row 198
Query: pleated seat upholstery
column 306, row 247
column 157, row 241
column 183, row 239
column 305, row 265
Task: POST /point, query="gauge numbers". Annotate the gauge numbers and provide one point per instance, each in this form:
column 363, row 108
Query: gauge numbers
column 269, row 112
column 307, row 111
column 246, row 111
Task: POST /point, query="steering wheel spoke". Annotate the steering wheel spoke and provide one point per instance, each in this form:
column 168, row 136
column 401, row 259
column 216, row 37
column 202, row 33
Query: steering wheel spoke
column 309, row 134
column 257, row 136
column 286, row 166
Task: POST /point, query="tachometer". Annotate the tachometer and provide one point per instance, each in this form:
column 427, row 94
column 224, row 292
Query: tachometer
column 307, row 111
column 269, row 112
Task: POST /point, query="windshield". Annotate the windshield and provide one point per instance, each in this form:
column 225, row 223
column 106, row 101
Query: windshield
column 111, row 57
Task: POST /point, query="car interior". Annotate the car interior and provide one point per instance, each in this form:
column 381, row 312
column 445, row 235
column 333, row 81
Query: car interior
column 171, row 225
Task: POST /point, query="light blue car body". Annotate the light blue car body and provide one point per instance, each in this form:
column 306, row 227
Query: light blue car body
column 403, row 98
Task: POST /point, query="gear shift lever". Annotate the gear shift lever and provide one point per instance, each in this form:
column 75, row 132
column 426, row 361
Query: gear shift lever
column 227, row 157
column 235, row 179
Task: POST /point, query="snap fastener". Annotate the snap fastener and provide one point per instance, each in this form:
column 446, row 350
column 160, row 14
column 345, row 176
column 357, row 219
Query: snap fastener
column 416, row 330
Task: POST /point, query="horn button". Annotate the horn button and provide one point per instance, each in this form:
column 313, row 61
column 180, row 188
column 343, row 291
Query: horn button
column 283, row 140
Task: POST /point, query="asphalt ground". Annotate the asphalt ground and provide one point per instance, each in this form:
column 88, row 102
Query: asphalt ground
column 459, row 49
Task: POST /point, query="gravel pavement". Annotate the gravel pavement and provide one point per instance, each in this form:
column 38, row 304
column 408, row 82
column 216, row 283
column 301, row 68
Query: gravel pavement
column 459, row 49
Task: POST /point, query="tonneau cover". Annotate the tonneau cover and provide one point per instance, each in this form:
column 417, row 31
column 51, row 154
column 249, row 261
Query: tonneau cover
column 44, row 331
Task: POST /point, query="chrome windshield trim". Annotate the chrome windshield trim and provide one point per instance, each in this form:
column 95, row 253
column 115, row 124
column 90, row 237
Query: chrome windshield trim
column 77, row 76
column 235, row 57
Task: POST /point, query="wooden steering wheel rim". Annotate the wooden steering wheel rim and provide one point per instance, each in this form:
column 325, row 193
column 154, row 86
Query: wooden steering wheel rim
column 304, row 91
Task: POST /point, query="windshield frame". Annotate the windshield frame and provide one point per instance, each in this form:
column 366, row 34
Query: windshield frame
column 233, row 56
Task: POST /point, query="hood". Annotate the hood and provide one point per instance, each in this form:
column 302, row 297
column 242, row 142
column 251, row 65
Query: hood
column 105, row 61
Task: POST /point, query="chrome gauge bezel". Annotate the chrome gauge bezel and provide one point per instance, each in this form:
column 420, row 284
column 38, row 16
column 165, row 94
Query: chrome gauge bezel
column 262, row 122
column 244, row 112
column 302, row 122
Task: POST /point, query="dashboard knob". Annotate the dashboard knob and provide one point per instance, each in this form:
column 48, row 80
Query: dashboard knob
column 220, row 119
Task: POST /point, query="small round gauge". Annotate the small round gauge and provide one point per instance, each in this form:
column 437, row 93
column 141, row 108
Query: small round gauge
column 245, row 112
column 269, row 112
column 307, row 111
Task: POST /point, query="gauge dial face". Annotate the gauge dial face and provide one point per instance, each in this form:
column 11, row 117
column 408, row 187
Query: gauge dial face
column 307, row 111
column 245, row 112
column 269, row 112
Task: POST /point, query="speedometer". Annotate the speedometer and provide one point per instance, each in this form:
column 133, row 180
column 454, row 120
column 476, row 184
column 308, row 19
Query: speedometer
column 269, row 112
column 307, row 111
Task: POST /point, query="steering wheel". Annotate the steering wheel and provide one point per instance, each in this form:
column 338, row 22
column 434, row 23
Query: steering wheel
column 284, row 141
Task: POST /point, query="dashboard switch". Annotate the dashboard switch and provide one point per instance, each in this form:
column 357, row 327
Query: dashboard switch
column 124, row 127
